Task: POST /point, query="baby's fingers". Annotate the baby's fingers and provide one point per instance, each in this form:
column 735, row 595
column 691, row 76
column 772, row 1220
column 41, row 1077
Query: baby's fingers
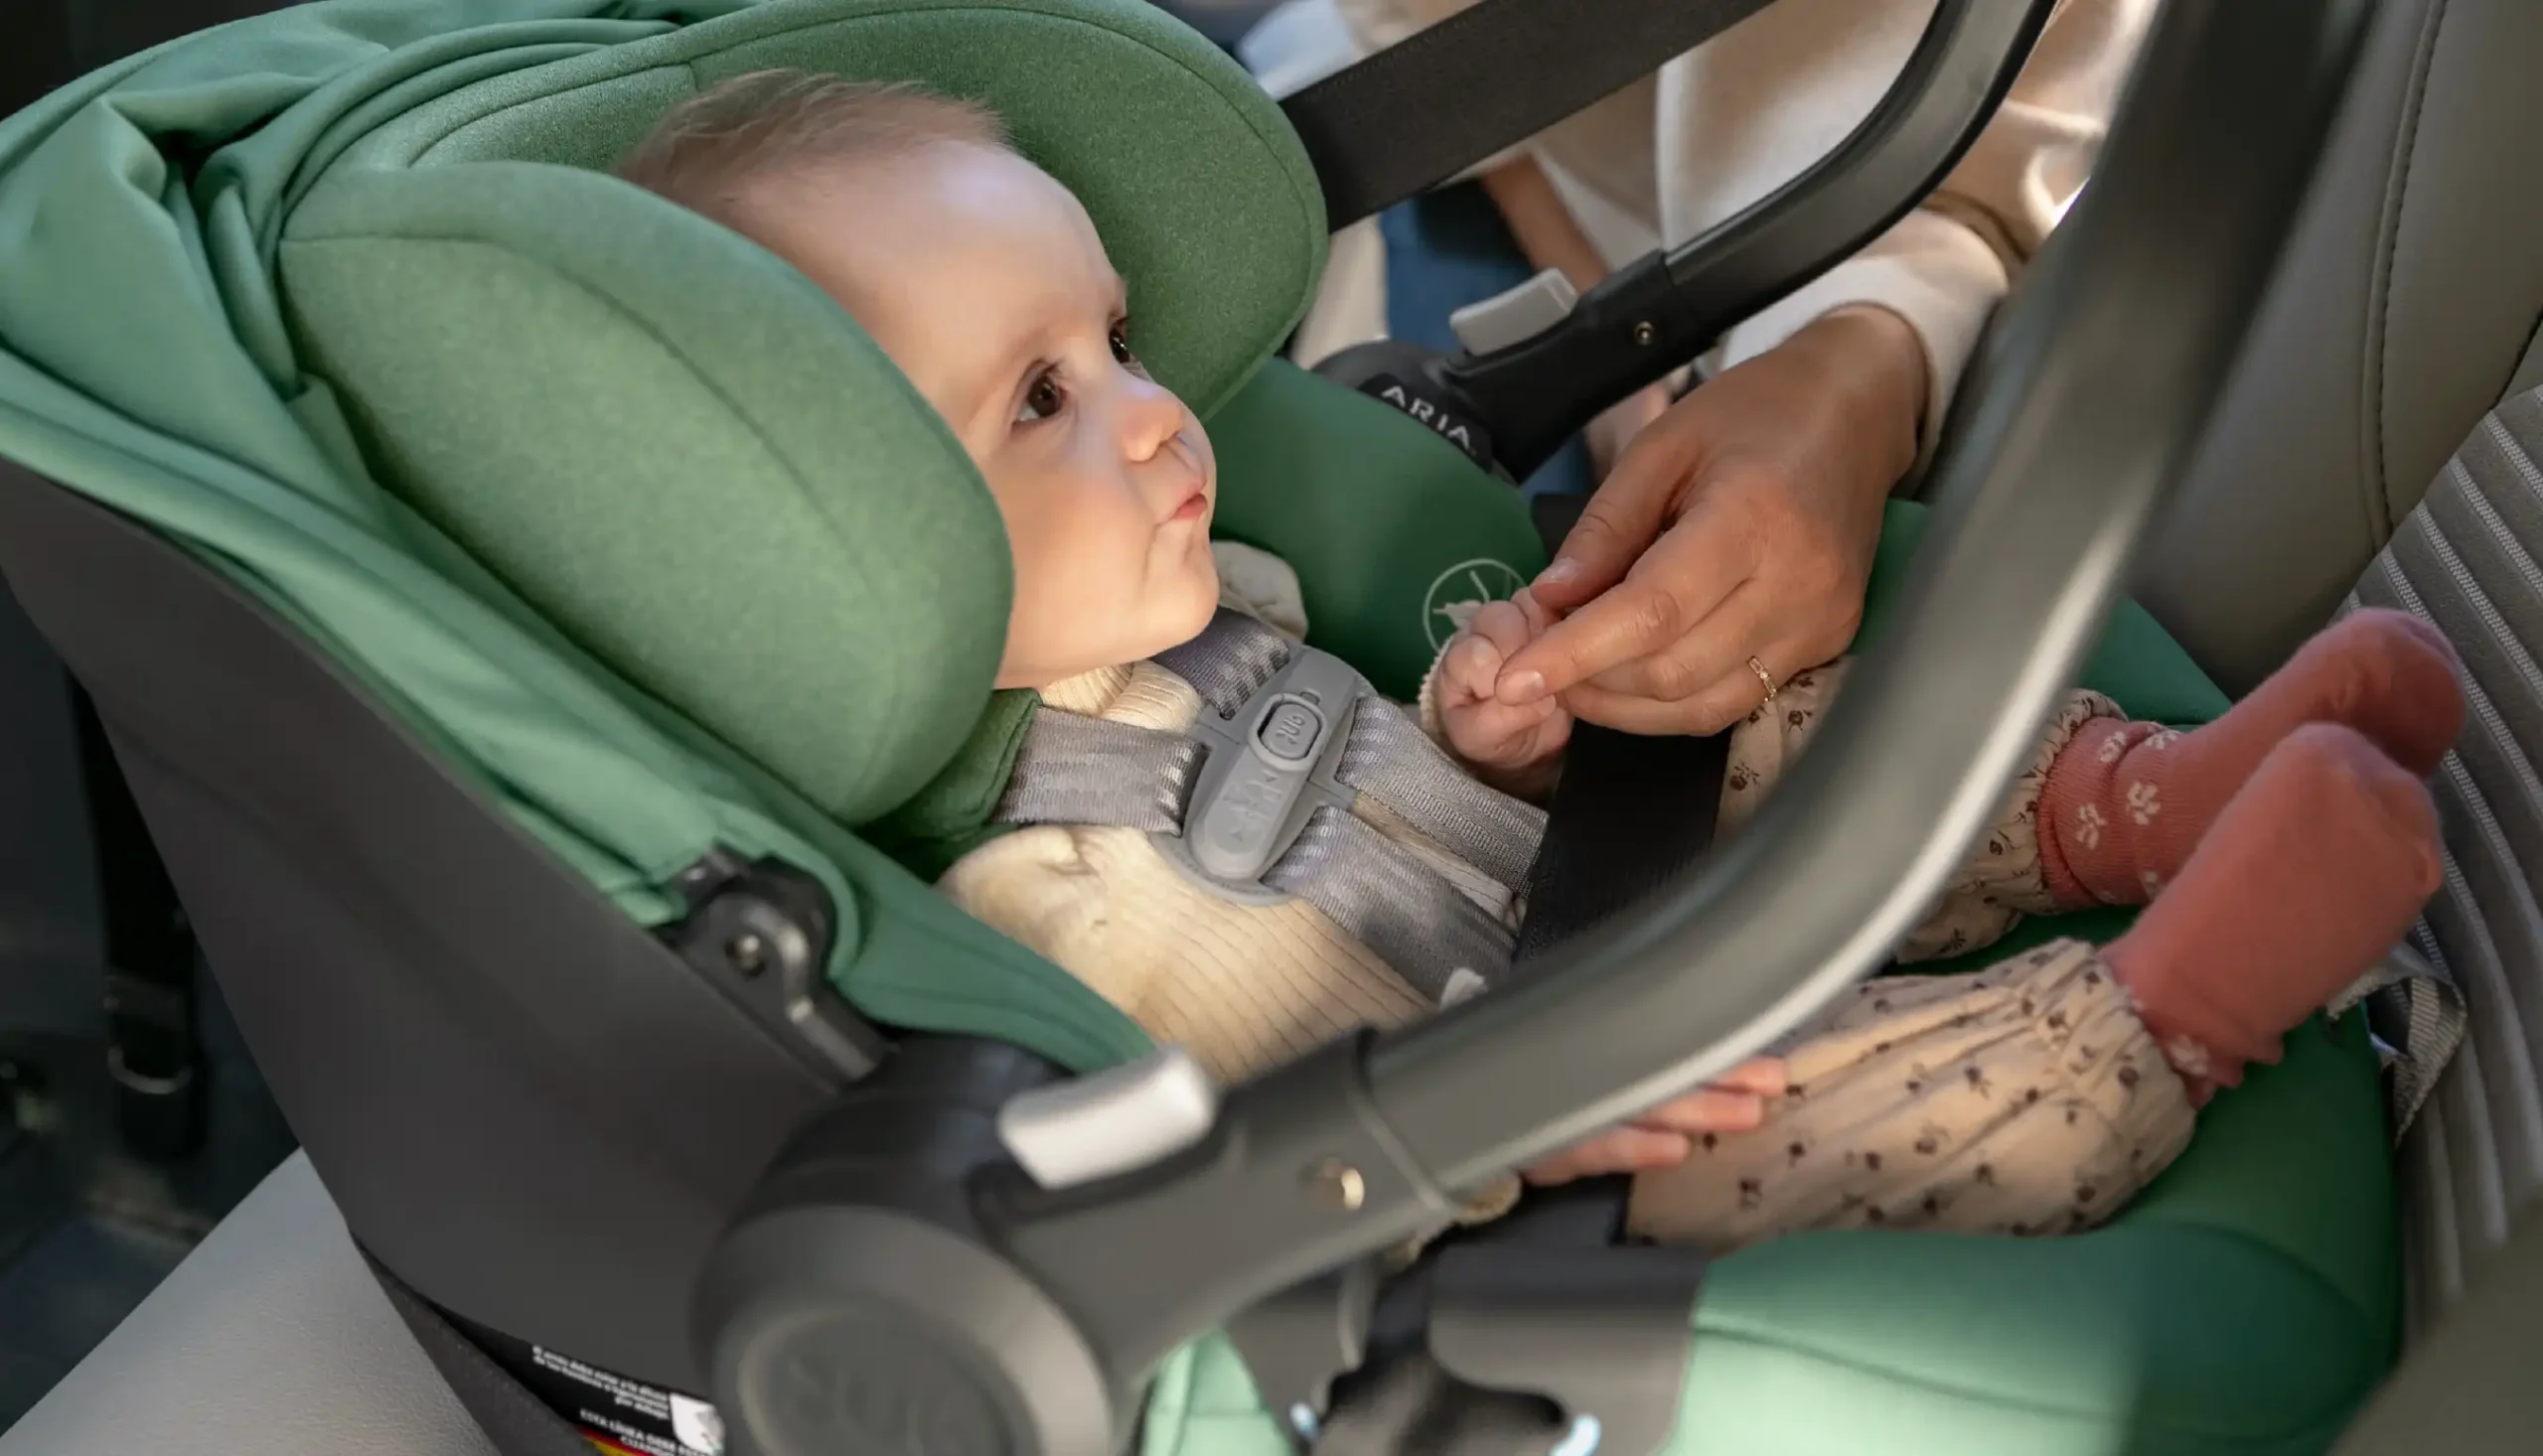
column 1470, row 668
column 1764, row 1075
column 1505, row 625
column 1714, row 1110
column 1619, row 1150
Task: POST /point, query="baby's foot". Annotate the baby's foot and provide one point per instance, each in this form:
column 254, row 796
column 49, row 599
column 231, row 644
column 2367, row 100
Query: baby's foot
column 2127, row 803
column 2311, row 875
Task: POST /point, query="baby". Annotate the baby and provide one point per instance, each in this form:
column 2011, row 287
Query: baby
column 2282, row 851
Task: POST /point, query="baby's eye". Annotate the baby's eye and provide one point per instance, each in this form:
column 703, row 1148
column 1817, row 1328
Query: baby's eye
column 1043, row 398
column 1121, row 354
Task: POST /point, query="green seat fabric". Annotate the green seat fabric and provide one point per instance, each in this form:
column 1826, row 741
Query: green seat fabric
column 638, row 531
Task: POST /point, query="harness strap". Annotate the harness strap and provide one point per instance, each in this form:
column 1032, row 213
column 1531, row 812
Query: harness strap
column 1230, row 661
column 1635, row 813
column 1424, row 928
column 1076, row 769
column 1389, row 759
column 1221, row 807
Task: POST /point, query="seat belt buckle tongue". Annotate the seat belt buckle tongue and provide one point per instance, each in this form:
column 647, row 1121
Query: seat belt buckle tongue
column 1269, row 768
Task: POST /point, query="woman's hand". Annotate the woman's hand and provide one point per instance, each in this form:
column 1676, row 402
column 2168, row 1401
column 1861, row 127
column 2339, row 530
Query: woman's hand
column 1741, row 523
column 1612, row 431
column 1665, row 1135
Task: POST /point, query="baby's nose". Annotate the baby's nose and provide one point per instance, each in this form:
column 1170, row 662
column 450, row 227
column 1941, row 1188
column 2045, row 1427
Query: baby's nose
column 1152, row 421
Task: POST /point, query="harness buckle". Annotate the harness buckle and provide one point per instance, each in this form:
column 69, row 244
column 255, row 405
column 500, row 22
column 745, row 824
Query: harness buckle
column 1268, row 768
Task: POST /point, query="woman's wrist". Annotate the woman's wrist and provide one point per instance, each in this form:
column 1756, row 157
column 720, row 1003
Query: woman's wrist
column 1878, row 363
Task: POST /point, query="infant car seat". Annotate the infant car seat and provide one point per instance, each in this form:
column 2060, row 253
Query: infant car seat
column 542, row 629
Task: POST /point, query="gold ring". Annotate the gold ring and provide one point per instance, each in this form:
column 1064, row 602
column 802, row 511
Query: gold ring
column 1764, row 677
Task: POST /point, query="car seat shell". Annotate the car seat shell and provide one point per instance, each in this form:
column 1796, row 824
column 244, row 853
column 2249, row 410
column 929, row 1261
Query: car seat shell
column 895, row 952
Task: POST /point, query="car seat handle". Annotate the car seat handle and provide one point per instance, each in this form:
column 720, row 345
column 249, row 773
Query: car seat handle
column 1451, row 95
column 1515, row 405
column 2110, row 358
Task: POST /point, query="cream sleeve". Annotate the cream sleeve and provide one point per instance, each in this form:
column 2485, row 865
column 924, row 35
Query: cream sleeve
column 1945, row 265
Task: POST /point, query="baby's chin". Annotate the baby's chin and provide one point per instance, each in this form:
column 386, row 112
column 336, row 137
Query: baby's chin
column 1195, row 613
column 1182, row 606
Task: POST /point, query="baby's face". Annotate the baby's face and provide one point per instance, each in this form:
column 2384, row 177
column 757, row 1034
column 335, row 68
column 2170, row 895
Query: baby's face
column 984, row 281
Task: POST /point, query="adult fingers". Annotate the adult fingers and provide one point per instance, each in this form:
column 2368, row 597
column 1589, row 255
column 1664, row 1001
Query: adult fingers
column 1623, row 517
column 1704, row 653
column 1729, row 698
column 1685, row 575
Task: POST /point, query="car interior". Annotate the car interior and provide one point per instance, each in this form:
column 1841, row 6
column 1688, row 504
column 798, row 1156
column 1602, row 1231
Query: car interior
column 451, row 1006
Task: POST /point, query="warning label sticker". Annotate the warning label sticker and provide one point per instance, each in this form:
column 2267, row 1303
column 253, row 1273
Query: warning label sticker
column 616, row 1413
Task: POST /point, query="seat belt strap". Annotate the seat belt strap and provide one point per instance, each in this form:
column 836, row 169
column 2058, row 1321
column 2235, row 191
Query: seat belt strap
column 1631, row 813
column 1388, row 757
column 2417, row 1015
column 1230, row 661
column 1418, row 112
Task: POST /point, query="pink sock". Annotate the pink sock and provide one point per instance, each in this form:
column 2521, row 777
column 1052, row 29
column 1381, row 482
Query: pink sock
column 2127, row 803
column 2310, row 874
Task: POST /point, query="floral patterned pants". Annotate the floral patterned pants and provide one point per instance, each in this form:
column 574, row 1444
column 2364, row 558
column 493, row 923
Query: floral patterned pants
column 2025, row 1098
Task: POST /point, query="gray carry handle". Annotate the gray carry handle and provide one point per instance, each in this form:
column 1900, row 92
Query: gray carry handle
column 2126, row 328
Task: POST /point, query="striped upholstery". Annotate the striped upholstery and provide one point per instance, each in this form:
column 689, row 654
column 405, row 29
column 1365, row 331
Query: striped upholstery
column 2471, row 559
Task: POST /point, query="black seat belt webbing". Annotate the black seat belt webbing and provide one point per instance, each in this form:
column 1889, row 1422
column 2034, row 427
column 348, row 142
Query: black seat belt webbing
column 1418, row 112
column 1631, row 813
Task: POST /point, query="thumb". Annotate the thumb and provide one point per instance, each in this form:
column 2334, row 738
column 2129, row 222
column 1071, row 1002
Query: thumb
column 1619, row 523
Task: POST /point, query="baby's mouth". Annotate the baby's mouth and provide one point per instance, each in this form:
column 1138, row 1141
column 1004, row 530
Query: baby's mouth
column 1194, row 506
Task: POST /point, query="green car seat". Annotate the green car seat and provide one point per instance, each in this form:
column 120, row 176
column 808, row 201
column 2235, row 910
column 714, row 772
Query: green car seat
column 508, row 597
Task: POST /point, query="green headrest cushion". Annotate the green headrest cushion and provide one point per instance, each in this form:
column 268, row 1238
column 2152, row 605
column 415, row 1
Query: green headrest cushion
column 688, row 456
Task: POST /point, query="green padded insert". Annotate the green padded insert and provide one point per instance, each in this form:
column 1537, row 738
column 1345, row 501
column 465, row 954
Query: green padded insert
column 685, row 455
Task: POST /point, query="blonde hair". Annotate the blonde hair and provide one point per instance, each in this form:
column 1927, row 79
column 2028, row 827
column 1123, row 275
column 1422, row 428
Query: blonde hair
column 712, row 152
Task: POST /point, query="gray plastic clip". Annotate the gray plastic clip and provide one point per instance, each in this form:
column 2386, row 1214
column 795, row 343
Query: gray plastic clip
column 1270, row 765
column 1514, row 316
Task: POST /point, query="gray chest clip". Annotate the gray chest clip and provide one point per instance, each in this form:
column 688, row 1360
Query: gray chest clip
column 1270, row 767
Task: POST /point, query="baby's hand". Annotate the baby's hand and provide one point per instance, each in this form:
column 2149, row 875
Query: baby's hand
column 1493, row 737
column 1665, row 1135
